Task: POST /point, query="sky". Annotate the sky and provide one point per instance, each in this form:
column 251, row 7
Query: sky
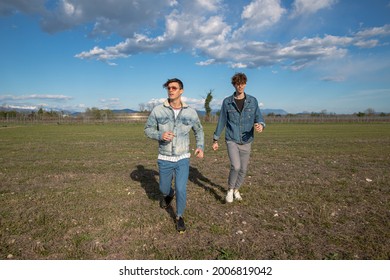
column 328, row 56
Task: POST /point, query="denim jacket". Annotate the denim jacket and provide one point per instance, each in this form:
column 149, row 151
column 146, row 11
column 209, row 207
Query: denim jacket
column 239, row 125
column 162, row 119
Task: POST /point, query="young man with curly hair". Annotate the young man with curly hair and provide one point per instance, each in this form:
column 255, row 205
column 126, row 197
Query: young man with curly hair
column 240, row 115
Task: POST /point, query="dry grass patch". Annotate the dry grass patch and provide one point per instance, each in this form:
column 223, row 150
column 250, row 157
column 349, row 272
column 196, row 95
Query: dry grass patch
column 91, row 192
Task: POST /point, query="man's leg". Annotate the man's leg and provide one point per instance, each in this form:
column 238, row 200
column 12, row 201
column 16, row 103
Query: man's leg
column 182, row 172
column 244, row 152
column 166, row 170
column 235, row 163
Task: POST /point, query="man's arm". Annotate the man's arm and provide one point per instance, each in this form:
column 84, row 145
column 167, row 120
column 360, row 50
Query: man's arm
column 150, row 129
column 221, row 122
column 199, row 134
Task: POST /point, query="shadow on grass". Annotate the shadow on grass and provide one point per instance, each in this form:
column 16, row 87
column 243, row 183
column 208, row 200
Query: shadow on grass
column 148, row 181
column 199, row 179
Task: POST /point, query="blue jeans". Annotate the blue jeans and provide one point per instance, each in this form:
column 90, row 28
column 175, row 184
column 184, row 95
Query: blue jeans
column 239, row 159
column 179, row 171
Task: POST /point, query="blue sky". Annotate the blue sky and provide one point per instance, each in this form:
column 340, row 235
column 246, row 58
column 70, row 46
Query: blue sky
column 299, row 55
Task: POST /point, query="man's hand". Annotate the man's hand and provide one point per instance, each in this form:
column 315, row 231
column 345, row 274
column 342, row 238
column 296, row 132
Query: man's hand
column 258, row 127
column 215, row 146
column 199, row 153
column 168, row 136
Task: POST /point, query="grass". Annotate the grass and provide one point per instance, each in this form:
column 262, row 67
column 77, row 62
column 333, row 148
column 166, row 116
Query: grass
column 313, row 191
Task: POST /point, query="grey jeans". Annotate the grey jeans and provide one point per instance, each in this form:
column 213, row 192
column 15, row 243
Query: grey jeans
column 239, row 159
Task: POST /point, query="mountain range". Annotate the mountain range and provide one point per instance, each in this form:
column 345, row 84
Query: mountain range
column 130, row 111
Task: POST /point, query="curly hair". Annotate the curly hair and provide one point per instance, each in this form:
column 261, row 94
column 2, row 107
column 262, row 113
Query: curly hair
column 174, row 80
column 239, row 78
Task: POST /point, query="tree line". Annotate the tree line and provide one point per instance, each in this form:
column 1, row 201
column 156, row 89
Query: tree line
column 95, row 113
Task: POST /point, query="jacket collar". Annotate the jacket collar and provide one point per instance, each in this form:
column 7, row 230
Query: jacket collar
column 231, row 100
column 183, row 104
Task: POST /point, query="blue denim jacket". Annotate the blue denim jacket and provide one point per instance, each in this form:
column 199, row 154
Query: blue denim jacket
column 162, row 119
column 239, row 125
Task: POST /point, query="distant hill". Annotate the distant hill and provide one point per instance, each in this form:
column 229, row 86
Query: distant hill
column 7, row 109
column 124, row 111
column 115, row 112
column 273, row 111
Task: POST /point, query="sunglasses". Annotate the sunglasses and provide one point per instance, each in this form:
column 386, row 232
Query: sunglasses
column 173, row 88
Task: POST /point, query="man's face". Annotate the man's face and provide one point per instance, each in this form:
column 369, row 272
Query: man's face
column 240, row 88
column 174, row 90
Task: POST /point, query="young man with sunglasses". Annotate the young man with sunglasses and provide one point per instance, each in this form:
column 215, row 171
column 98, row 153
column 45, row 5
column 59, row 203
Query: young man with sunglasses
column 241, row 116
column 170, row 124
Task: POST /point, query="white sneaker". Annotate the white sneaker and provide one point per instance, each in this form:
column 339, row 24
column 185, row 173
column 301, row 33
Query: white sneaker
column 237, row 195
column 229, row 196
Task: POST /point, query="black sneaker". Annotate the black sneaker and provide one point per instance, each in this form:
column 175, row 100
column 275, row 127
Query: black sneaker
column 180, row 225
column 166, row 201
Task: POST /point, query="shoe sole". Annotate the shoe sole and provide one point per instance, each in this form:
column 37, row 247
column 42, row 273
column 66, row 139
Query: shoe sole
column 182, row 228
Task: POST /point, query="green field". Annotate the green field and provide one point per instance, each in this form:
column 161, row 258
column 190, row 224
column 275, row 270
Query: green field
column 313, row 191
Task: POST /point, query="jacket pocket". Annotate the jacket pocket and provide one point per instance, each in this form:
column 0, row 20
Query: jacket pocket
column 185, row 126
column 164, row 124
column 233, row 116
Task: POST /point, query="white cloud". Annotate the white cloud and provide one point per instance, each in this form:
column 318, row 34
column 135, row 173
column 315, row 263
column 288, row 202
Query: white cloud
column 188, row 29
column 260, row 14
column 206, row 63
column 104, row 100
column 20, row 107
column 35, row 97
column 209, row 5
column 333, row 79
column 110, row 103
column 375, row 31
column 348, row 68
column 304, row 7
column 308, row 51
column 296, row 54
column 34, row 101
column 123, row 17
column 367, row 44
column 239, row 65
column 205, row 33
column 263, row 12
column 110, row 53
column 201, row 28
